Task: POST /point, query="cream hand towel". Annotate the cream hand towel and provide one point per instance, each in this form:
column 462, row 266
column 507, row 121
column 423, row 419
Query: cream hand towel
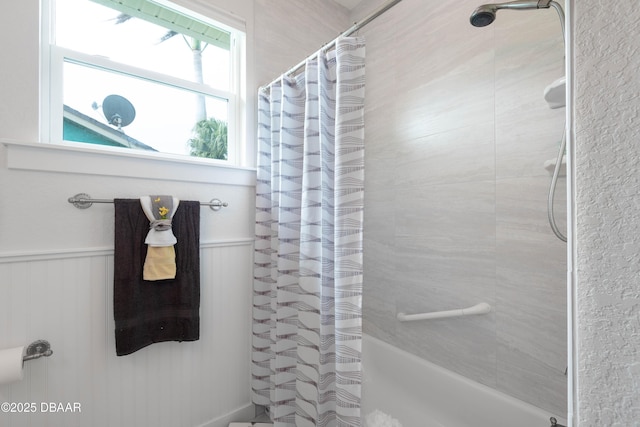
column 160, row 263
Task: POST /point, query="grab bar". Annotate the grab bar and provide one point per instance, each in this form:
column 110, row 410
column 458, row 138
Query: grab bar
column 481, row 308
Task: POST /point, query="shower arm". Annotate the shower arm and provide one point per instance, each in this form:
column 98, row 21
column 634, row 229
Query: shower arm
column 542, row 4
column 518, row 4
column 522, row 5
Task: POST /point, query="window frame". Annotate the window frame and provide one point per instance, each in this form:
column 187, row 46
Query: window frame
column 53, row 58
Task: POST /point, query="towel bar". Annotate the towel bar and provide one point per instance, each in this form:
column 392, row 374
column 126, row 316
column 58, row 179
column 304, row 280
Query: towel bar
column 481, row 308
column 84, row 201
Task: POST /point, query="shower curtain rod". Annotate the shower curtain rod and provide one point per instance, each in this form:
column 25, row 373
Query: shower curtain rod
column 355, row 27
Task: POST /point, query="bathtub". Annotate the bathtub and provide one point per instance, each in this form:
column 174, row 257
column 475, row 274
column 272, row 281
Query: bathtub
column 418, row 393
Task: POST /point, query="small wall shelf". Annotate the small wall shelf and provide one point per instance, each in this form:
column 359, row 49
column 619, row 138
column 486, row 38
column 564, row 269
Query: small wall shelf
column 550, row 165
column 555, row 93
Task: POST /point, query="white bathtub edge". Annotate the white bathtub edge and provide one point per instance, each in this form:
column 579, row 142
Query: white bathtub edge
column 484, row 404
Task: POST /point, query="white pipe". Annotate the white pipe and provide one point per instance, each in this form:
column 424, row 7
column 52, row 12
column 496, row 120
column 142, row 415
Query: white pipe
column 481, row 308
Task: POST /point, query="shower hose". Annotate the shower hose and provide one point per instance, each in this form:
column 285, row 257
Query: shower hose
column 563, row 145
column 552, row 189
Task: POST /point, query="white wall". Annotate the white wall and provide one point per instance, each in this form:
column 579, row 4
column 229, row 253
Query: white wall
column 607, row 253
column 457, row 133
column 19, row 118
column 56, row 261
column 31, row 244
column 289, row 31
column 56, row 275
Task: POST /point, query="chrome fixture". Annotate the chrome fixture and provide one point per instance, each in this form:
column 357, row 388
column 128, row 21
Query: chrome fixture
column 37, row 349
column 485, row 15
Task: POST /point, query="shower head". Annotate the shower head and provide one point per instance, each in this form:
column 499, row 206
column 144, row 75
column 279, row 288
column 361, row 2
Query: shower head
column 483, row 15
column 486, row 14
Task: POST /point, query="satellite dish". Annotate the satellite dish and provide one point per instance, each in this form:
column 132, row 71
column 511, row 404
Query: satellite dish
column 118, row 111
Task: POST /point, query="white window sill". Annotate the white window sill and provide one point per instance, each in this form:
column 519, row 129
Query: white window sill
column 109, row 161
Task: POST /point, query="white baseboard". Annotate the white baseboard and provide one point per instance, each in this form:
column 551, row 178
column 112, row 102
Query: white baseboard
column 244, row 413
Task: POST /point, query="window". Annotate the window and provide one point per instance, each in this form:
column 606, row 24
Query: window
column 143, row 75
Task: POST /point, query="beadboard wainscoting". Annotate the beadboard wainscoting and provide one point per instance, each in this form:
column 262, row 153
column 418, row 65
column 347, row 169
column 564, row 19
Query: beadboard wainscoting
column 67, row 299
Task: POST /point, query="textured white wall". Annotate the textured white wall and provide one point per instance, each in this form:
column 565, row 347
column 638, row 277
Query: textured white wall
column 607, row 186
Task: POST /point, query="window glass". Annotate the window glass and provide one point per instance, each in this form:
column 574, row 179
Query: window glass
column 130, row 83
column 155, row 115
column 91, row 28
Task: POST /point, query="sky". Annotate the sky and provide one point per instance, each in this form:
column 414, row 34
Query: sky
column 165, row 116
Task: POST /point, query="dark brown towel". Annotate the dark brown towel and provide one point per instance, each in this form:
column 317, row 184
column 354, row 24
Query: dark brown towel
column 147, row 312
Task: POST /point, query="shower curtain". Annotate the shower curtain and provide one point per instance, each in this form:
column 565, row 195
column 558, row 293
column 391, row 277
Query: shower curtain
column 307, row 315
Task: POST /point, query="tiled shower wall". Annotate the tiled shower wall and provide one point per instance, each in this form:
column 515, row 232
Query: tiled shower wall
column 457, row 133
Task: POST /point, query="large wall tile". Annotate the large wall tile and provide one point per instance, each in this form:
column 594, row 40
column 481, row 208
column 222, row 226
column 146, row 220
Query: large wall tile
column 462, row 154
